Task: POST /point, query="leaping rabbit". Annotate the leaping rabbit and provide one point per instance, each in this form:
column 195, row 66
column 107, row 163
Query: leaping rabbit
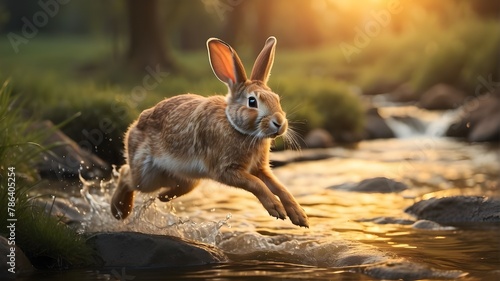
column 186, row 138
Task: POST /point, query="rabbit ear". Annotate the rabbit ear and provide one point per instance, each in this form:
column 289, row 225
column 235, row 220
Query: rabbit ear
column 225, row 62
column 264, row 62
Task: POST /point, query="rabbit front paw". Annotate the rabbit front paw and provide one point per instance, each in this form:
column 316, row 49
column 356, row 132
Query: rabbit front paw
column 275, row 209
column 297, row 215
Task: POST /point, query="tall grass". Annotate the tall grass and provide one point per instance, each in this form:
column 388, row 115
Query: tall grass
column 41, row 236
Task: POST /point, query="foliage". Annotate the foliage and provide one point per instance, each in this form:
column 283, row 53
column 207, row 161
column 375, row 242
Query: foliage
column 331, row 105
column 459, row 56
column 48, row 241
column 18, row 146
column 40, row 235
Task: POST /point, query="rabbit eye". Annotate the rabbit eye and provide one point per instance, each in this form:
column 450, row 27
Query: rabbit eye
column 252, row 102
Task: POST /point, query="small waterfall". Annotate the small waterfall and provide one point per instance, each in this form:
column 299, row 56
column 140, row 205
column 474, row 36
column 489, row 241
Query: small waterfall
column 411, row 121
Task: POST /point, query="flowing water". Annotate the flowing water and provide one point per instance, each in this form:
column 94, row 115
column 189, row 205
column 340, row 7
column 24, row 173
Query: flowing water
column 352, row 235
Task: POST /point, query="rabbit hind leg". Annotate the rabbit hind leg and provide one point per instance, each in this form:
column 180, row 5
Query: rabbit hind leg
column 123, row 197
column 178, row 188
column 151, row 178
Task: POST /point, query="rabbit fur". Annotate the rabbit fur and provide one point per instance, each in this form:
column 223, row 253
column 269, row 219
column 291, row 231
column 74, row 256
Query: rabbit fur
column 186, row 138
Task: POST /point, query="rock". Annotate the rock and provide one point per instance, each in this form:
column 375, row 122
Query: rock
column 120, row 249
column 441, row 97
column 479, row 121
column 457, row 209
column 318, row 138
column 373, row 185
column 488, row 129
column 22, row 264
column 387, row 220
column 282, row 158
column 375, row 126
column 430, row 225
column 404, row 93
column 68, row 212
column 65, row 157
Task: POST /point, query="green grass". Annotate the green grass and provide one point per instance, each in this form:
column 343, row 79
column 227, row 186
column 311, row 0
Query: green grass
column 44, row 238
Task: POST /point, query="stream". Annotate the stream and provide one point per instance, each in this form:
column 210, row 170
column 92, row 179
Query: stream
column 349, row 231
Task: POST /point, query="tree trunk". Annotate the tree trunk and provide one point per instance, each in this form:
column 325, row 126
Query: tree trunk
column 146, row 45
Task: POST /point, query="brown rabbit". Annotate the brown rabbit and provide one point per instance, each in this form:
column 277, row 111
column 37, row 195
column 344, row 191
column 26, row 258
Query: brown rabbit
column 183, row 139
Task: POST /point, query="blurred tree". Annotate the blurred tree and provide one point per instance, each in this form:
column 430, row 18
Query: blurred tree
column 234, row 23
column 263, row 24
column 146, row 45
column 188, row 35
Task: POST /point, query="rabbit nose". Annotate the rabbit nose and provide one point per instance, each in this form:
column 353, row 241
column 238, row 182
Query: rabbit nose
column 279, row 123
column 276, row 124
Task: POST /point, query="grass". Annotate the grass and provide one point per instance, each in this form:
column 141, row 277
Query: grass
column 44, row 238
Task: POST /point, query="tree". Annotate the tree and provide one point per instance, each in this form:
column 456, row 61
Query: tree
column 146, row 43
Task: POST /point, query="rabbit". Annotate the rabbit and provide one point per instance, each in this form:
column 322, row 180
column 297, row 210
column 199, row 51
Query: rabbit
column 186, row 138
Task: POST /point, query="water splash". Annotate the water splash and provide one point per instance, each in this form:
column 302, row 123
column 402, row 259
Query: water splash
column 147, row 216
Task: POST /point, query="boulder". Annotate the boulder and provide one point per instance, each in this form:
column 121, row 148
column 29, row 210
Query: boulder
column 479, row 120
column 373, row 185
column 430, row 225
column 124, row 249
column 441, row 97
column 375, row 126
column 488, row 129
column 457, row 209
column 404, row 93
column 65, row 158
column 318, row 138
column 22, row 264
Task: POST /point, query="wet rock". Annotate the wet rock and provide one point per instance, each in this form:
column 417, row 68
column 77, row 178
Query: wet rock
column 121, row 249
column 281, row 158
column 67, row 211
column 375, row 126
column 405, row 270
column 488, row 129
column 430, row 225
column 318, row 138
column 479, row 121
column 441, row 97
column 22, row 264
column 404, row 93
column 65, row 157
column 387, row 220
column 457, row 209
column 373, row 185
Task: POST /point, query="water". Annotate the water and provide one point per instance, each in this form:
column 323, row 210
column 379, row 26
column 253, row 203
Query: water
column 352, row 235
